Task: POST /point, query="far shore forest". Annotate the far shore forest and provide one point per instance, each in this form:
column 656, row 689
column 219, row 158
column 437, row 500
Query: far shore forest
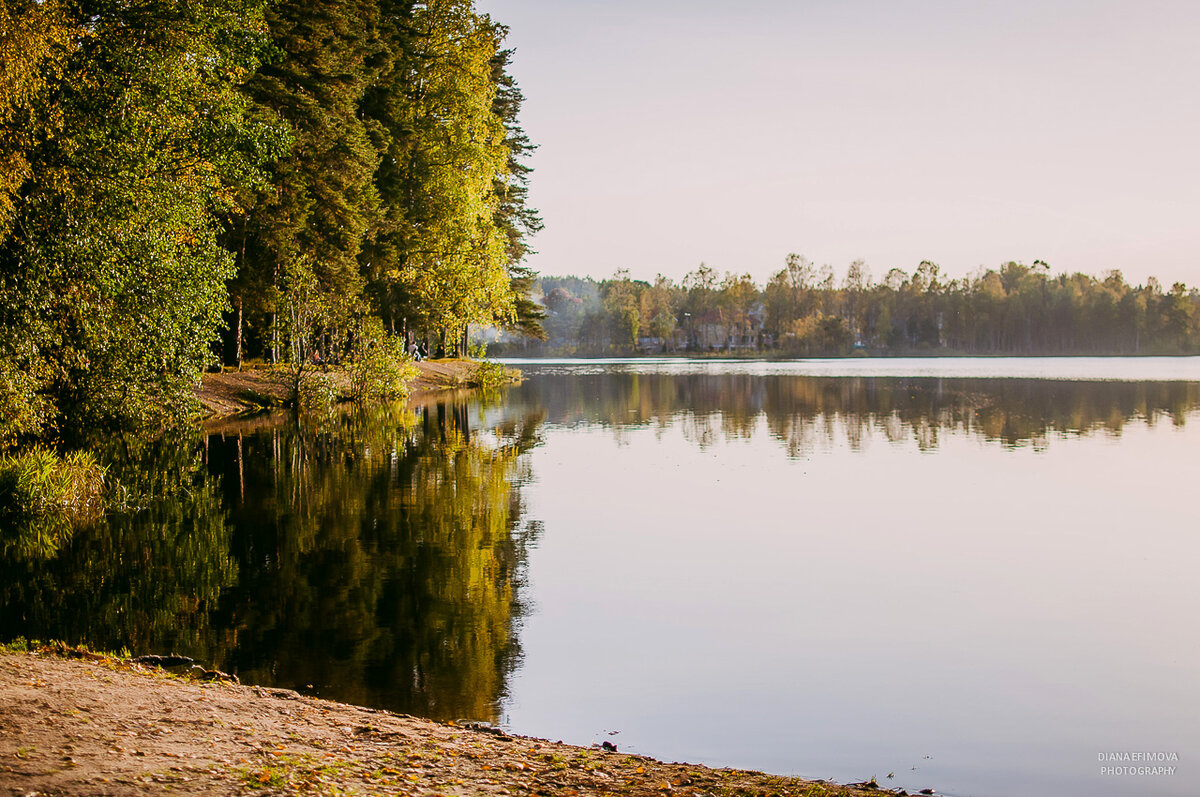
column 186, row 185
column 805, row 310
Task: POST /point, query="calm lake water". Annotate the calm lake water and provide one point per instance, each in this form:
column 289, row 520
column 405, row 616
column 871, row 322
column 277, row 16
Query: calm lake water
column 976, row 575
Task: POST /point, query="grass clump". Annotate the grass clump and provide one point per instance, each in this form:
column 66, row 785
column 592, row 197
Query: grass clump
column 40, row 482
column 44, row 496
column 18, row 645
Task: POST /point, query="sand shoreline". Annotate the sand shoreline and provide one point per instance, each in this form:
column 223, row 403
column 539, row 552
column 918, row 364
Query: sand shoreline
column 77, row 723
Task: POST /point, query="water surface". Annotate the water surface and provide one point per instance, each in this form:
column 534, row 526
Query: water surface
column 977, row 581
column 978, row 585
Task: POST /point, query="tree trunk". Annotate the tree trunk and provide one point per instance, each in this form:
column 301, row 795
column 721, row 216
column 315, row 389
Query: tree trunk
column 237, row 332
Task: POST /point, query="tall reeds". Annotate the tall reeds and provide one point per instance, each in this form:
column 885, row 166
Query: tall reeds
column 40, row 483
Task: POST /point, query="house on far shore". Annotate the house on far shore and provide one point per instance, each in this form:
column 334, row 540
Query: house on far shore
column 653, row 344
column 713, row 331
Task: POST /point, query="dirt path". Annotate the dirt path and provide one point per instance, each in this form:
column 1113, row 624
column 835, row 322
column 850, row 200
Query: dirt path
column 232, row 392
column 101, row 726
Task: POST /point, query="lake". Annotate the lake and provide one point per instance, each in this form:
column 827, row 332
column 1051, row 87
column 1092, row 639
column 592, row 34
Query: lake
column 973, row 575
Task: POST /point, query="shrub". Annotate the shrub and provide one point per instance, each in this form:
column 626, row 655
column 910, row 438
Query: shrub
column 316, row 393
column 490, row 375
column 379, row 367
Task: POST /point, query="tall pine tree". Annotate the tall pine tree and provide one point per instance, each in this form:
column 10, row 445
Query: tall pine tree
column 440, row 261
column 321, row 204
column 515, row 219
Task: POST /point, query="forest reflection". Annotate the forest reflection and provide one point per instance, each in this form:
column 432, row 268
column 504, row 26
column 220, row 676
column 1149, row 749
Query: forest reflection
column 805, row 413
column 378, row 558
column 375, row 558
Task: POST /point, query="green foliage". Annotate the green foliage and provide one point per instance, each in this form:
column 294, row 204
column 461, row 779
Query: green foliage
column 477, row 349
column 490, row 375
column 818, row 334
column 622, row 302
column 23, row 409
column 310, row 326
column 111, row 276
column 379, row 367
column 315, row 330
column 319, row 203
column 158, row 159
column 514, row 218
column 18, row 645
column 317, row 393
column 440, row 259
column 33, row 41
column 528, row 315
column 659, row 308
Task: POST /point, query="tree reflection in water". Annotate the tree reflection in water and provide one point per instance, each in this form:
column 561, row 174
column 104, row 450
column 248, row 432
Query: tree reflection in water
column 377, row 557
column 807, row 412
column 141, row 579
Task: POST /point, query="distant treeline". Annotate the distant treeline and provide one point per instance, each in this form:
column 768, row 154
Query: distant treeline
column 304, row 176
column 1015, row 309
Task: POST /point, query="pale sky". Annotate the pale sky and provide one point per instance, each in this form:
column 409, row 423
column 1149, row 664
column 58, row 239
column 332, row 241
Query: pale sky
column 968, row 133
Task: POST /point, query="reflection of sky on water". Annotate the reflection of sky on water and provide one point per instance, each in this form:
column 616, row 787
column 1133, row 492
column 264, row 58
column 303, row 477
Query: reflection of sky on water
column 978, row 618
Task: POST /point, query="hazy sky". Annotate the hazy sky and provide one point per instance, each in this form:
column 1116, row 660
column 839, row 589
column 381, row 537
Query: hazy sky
column 968, row 133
